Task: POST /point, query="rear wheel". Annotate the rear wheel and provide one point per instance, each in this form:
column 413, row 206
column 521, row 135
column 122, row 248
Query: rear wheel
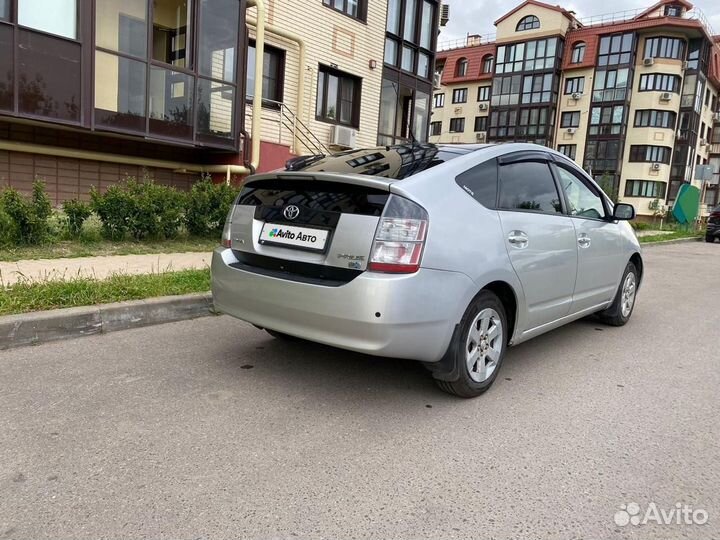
column 479, row 348
column 710, row 239
column 622, row 307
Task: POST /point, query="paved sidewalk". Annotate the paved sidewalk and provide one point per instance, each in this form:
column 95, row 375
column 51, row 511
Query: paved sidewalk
column 100, row 267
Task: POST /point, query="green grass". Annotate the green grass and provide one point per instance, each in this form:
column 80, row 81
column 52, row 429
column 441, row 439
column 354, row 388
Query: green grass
column 95, row 248
column 28, row 296
column 674, row 235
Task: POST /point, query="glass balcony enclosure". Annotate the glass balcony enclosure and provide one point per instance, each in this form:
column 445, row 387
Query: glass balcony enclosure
column 160, row 69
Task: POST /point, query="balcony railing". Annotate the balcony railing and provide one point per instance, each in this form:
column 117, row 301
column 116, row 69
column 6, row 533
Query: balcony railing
column 471, row 40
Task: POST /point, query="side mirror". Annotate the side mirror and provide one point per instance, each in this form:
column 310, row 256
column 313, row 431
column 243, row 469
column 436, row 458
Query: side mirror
column 624, row 212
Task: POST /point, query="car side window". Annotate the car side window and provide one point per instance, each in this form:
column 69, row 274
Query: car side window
column 582, row 201
column 528, row 185
column 481, row 183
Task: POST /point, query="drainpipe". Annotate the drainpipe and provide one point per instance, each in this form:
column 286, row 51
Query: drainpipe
column 257, row 91
column 299, row 103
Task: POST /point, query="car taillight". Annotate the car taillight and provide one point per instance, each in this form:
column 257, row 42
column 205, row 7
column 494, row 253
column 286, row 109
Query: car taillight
column 226, row 240
column 400, row 237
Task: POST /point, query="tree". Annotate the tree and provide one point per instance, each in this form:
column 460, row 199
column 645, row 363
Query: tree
column 607, row 184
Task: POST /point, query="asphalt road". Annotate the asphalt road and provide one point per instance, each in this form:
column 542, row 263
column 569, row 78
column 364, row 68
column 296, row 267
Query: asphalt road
column 212, row 429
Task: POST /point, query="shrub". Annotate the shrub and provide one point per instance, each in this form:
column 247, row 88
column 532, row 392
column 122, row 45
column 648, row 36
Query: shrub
column 8, row 229
column 206, row 207
column 27, row 219
column 142, row 209
column 76, row 212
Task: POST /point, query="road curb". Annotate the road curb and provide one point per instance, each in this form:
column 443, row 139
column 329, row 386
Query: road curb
column 669, row 242
column 45, row 326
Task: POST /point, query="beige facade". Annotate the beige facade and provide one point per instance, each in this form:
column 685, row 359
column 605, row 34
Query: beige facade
column 332, row 39
column 468, row 111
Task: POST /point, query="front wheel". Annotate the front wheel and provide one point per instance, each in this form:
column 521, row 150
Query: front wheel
column 479, row 348
column 622, row 307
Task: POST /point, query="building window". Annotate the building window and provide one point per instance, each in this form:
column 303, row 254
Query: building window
column 510, row 58
column 481, row 123
column 273, row 75
column 353, row 8
column 58, row 17
column 460, row 95
column 338, row 97
column 483, row 93
column 570, row 119
column 531, row 22
column 659, row 82
column 673, row 11
column 578, row 53
column 602, row 156
column 533, row 123
column 615, row 50
column 4, row 10
column 607, row 120
column 435, row 128
column 502, row 124
column 650, row 154
column 461, row 67
column 645, row 188
column 439, row 100
column 537, row 88
column 172, row 33
column 487, row 63
column 574, row 85
column 715, row 135
column 457, row 125
column 506, row 90
column 664, row 47
column 610, row 85
column 391, row 52
column 529, row 56
column 568, row 149
column 7, row 80
column 654, row 118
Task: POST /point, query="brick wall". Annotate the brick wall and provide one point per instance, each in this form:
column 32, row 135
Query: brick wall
column 72, row 178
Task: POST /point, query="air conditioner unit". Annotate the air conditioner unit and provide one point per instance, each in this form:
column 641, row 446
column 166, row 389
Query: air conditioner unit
column 665, row 96
column 648, row 61
column 444, row 14
column 343, row 136
column 483, row 106
column 684, row 65
column 655, row 167
column 480, row 136
column 576, row 95
column 703, row 142
column 436, row 80
column 571, row 130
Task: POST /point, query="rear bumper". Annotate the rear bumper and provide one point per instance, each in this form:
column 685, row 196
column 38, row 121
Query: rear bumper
column 713, row 229
column 417, row 312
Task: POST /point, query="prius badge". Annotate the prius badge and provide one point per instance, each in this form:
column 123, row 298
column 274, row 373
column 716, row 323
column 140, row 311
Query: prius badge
column 291, row 212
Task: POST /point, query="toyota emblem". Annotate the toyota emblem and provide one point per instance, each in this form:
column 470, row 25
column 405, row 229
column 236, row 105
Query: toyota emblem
column 291, row 212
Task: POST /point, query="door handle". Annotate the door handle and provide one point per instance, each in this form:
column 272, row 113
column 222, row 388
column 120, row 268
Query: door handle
column 518, row 239
column 583, row 240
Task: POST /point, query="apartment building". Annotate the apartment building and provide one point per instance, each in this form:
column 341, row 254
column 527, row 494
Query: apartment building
column 631, row 97
column 92, row 91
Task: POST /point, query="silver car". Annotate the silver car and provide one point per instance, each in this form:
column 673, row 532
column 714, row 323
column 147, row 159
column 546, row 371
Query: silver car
column 446, row 254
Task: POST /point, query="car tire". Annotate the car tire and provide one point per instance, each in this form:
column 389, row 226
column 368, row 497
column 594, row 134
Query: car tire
column 710, row 239
column 281, row 335
column 470, row 355
column 621, row 309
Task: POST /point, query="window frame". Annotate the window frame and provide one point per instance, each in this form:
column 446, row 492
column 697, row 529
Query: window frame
column 560, row 148
column 483, row 120
column 454, row 121
column 439, row 96
column 664, row 46
column 645, row 183
column 636, row 149
column 355, row 113
column 529, row 22
column 483, row 93
column 654, row 114
column 279, row 83
column 458, row 92
column 461, row 67
column 361, row 9
column 488, row 64
column 573, row 119
column 433, row 124
column 657, row 80
column 578, row 82
column 577, row 54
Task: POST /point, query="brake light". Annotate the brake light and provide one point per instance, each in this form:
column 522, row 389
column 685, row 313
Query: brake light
column 400, row 238
column 226, row 239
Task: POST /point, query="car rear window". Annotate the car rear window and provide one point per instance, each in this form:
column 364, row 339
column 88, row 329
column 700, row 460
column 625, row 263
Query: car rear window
column 397, row 162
